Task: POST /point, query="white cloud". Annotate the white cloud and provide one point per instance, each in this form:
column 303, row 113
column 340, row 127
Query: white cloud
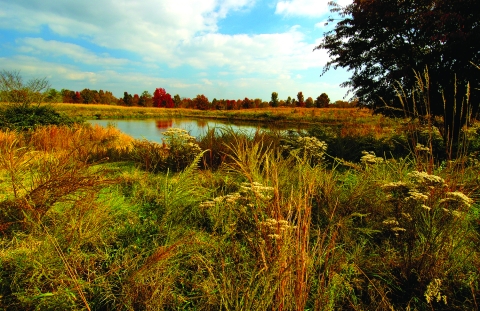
column 39, row 46
column 167, row 32
column 311, row 8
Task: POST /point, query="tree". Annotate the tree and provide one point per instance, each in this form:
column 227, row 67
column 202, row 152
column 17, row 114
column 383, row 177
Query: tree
column 309, row 102
column 322, row 101
column 53, row 96
column 162, row 99
column 384, row 43
column 15, row 92
column 177, row 100
column 300, row 99
column 67, row 95
column 247, row 103
column 274, row 101
column 127, row 99
column 289, row 101
column 88, row 96
column 136, row 100
column 201, row 102
column 145, row 99
column 20, row 113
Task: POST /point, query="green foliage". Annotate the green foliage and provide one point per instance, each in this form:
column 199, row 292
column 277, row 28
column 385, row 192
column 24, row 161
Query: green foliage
column 274, row 100
column 29, row 117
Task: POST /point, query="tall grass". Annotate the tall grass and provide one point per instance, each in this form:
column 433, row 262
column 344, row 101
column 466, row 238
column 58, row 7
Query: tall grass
column 267, row 221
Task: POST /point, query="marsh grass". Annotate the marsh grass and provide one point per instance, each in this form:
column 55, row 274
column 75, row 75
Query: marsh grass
column 242, row 223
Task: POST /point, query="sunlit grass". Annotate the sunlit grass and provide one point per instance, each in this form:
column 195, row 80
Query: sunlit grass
column 254, row 222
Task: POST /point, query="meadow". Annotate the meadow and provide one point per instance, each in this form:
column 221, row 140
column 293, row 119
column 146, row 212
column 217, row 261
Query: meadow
column 375, row 215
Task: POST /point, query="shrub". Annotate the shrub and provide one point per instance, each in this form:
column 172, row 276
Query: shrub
column 175, row 154
column 29, row 117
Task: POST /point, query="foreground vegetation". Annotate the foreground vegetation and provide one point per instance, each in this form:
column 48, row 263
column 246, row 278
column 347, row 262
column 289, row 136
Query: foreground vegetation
column 92, row 219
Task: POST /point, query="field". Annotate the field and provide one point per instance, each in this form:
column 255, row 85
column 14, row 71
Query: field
column 92, row 219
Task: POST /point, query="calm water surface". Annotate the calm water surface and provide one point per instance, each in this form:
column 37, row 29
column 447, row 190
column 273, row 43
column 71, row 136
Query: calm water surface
column 152, row 129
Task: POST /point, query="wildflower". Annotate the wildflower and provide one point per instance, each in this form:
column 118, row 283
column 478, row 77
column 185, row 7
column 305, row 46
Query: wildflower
column 457, row 197
column 433, row 292
column 274, row 236
column 207, row 204
column 420, row 147
column 425, row 207
column 395, row 186
column 423, row 178
column 369, row 158
column 391, row 222
column 416, row 196
column 407, row 216
column 398, row 229
column 263, row 192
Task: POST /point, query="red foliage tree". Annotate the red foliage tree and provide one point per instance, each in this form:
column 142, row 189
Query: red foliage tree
column 162, row 99
column 77, row 99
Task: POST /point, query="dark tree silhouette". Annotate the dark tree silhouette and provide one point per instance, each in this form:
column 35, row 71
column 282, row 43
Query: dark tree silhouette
column 384, row 42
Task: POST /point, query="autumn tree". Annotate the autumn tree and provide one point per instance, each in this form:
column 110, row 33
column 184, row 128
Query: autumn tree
column 201, row 102
column 388, row 45
column 77, row 98
column 322, row 101
column 162, row 99
column 89, row 96
column 136, row 100
column 300, row 100
column 309, row 102
column 247, row 103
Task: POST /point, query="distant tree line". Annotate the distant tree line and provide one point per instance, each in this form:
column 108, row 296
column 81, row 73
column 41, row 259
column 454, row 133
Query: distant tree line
column 162, row 99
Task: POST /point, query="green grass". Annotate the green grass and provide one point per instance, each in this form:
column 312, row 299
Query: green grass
column 252, row 222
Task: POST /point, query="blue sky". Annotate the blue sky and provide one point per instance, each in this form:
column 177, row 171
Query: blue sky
column 223, row 49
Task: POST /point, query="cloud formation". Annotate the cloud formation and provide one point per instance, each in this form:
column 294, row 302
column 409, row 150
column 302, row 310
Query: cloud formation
column 158, row 41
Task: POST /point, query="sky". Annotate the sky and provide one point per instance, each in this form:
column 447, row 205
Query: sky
column 224, row 49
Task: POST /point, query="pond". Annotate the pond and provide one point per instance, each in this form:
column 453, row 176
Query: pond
column 152, row 129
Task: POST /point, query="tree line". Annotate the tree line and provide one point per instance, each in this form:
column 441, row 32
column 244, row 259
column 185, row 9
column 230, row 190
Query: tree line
column 160, row 98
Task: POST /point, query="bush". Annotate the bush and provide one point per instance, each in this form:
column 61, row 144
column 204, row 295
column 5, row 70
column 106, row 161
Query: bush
column 177, row 152
column 29, row 117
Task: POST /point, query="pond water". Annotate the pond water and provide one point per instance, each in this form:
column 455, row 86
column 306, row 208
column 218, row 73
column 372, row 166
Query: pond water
column 152, row 129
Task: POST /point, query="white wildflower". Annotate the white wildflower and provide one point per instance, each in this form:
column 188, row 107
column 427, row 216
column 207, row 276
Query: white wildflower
column 457, row 197
column 416, row 196
column 423, row 178
column 420, row 147
column 396, row 185
column 369, row 158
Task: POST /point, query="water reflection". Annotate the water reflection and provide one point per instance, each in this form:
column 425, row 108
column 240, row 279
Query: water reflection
column 164, row 124
column 152, row 129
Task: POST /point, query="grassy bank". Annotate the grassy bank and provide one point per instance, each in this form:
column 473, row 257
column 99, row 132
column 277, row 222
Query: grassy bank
column 281, row 114
column 94, row 220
